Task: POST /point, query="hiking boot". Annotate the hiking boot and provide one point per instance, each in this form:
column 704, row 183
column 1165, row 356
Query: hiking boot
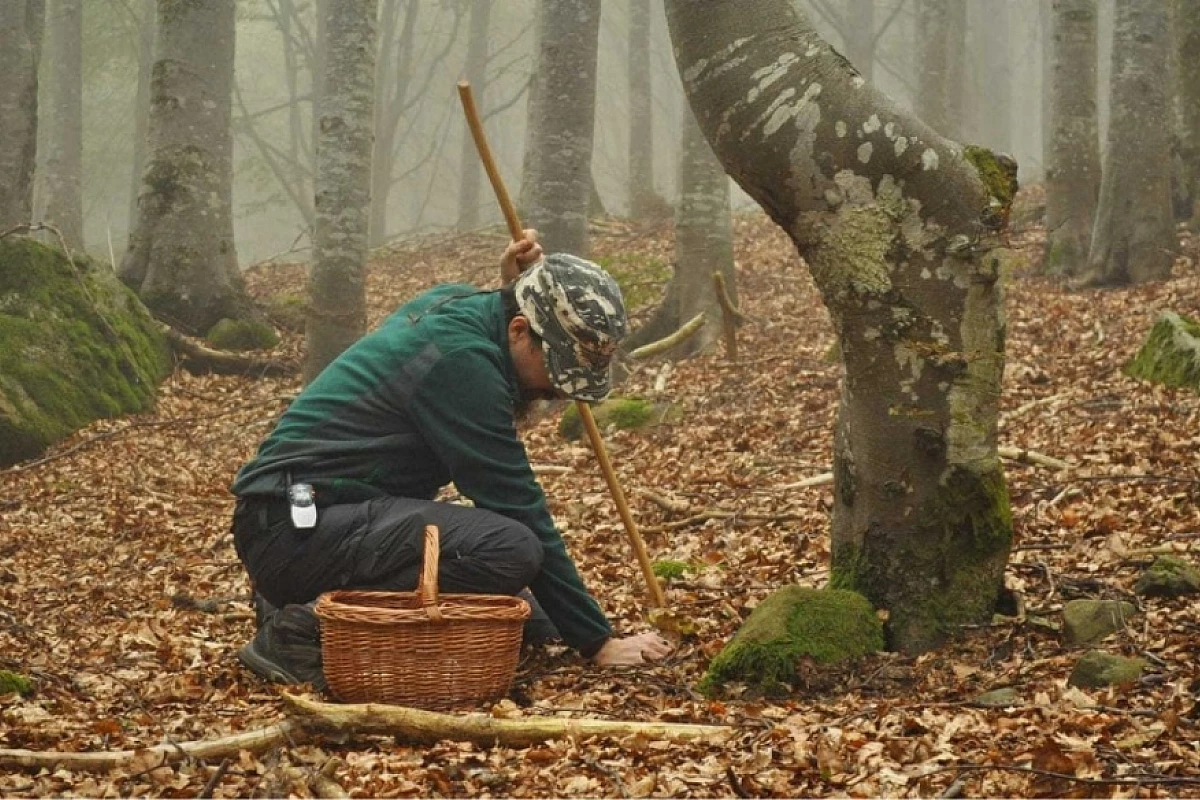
column 287, row 647
column 262, row 609
column 538, row 628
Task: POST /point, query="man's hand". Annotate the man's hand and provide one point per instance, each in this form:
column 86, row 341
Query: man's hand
column 632, row 650
column 520, row 255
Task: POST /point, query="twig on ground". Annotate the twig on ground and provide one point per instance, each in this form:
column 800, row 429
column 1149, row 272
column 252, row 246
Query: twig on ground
column 1136, row 780
column 219, row 773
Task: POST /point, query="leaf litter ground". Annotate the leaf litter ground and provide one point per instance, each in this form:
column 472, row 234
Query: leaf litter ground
column 121, row 596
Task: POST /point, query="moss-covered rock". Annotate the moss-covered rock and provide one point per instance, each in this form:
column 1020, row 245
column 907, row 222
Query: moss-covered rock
column 1096, row 669
column 240, row 335
column 287, row 311
column 1171, row 354
column 1088, row 621
column 14, row 682
column 1168, row 576
column 826, row 625
column 998, row 698
column 77, row 346
column 622, row 413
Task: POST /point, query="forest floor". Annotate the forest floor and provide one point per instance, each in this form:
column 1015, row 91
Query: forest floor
column 122, row 598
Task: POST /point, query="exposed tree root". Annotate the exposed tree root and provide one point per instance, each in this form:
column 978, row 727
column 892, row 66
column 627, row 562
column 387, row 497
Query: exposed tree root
column 195, row 357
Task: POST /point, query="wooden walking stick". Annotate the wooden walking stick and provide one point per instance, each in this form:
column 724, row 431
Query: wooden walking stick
column 585, row 410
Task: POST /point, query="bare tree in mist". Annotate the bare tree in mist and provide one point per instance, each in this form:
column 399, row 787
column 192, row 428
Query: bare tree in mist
column 475, row 73
column 644, row 201
column 141, row 104
column 21, row 27
column 897, row 226
column 703, row 246
column 337, row 286
column 62, row 120
column 1133, row 239
column 181, row 258
column 941, row 47
column 1187, row 96
column 1073, row 168
column 556, row 179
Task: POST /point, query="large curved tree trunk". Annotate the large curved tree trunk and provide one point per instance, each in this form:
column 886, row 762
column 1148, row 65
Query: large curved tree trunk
column 338, row 298
column 1073, row 170
column 897, row 225
column 557, row 178
column 21, row 23
column 181, row 258
column 1134, row 240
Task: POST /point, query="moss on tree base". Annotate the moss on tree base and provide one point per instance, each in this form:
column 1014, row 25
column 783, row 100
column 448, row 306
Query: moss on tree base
column 826, row 625
column 78, row 346
column 1171, row 354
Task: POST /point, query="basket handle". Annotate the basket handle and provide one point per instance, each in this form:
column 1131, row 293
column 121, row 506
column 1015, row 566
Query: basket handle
column 427, row 586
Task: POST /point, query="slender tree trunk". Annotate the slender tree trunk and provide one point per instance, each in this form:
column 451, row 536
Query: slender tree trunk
column 181, row 257
column 21, row 25
column 391, row 83
column 1134, row 240
column 703, row 246
column 556, row 184
column 1187, row 38
column 941, row 41
column 897, row 225
column 1073, row 171
column 141, row 105
column 343, row 186
column 860, row 37
column 62, row 183
column 471, row 171
column 993, row 91
column 643, row 201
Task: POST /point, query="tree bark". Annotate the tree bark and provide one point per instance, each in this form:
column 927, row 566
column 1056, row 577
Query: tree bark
column 62, row 183
column 1134, row 240
column 898, row 227
column 21, row 24
column 643, row 201
column 141, row 106
column 181, row 258
column 941, row 43
column 556, row 181
column 476, row 74
column 338, row 302
column 1073, row 169
column 1187, row 38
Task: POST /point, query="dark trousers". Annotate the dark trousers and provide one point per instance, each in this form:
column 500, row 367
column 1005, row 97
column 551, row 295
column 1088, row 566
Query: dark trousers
column 379, row 544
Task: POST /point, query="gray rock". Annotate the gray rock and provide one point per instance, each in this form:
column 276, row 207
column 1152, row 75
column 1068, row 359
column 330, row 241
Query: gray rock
column 1096, row 669
column 1088, row 621
column 997, row 698
column 1168, row 576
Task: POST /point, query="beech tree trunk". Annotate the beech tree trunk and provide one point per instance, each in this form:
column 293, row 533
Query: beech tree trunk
column 62, row 182
column 643, row 202
column 556, row 184
column 1187, row 38
column 471, row 171
column 141, row 105
column 1073, row 170
column 898, row 226
column 703, row 245
column 941, row 45
column 1134, row 240
column 181, row 258
column 21, row 24
column 338, row 301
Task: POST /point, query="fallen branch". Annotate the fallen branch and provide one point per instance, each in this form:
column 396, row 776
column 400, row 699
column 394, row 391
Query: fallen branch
column 1045, row 401
column 816, row 480
column 668, row 504
column 684, row 333
column 431, row 726
column 197, row 356
column 159, row 755
column 551, row 469
column 720, row 513
column 1031, row 457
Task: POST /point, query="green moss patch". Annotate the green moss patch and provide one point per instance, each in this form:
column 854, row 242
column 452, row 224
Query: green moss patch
column 1171, row 354
column 14, row 682
column 1168, row 576
column 1096, row 669
column 670, row 569
column 641, row 278
column 241, row 335
column 825, row 625
column 78, row 346
column 622, row 413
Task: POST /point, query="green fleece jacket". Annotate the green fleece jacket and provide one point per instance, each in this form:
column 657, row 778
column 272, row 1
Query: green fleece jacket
column 424, row 400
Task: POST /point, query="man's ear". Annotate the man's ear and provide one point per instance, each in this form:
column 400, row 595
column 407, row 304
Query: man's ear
column 518, row 326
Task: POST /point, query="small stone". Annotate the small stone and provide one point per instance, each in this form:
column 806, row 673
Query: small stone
column 1087, row 621
column 1168, row 576
column 1096, row 669
column 997, row 698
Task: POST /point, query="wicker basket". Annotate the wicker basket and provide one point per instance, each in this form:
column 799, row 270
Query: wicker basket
column 416, row 649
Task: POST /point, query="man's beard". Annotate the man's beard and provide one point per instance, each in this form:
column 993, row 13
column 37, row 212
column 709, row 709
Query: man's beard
column 529, row 407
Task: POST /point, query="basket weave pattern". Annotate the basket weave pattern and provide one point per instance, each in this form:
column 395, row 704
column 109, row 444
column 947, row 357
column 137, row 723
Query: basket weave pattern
column 419, row 649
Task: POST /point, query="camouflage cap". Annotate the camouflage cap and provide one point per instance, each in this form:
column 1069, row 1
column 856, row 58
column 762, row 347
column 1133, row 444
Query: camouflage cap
column 576, row 308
